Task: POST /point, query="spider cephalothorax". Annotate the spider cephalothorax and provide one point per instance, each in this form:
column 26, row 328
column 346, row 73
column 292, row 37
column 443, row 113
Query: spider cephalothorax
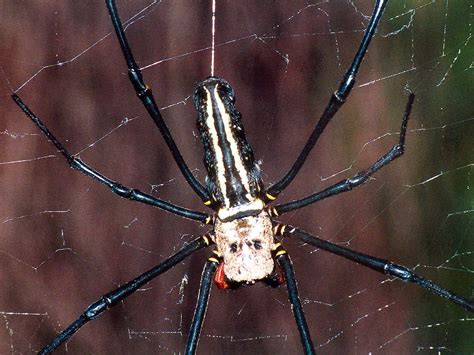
column 245, row 245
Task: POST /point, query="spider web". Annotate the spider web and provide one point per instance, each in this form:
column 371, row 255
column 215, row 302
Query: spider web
column 66, row 240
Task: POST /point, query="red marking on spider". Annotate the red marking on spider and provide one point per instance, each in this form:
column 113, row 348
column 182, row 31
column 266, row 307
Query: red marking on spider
column 219, row 278
column 280, row 276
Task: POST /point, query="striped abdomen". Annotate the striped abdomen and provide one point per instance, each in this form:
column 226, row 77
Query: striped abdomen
column 233, row 176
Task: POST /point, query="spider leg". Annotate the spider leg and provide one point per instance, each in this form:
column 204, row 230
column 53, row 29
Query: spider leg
column 201, row 305
column 117, row 188
column 145, row 95
column 380, row 265
column 358, row 179
column 285, row 263
column 112, row 298
column 336, row 101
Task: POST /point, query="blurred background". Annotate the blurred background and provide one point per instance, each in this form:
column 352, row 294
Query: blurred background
column 65, row 240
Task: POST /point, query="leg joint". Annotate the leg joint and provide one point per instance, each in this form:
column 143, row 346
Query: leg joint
column 402, row 272
column 95, row 309
column 136, row 78
column 123, row 191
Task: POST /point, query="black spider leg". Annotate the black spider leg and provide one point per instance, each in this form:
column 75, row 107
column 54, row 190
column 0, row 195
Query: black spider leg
column 285, row 263
column 359, row 178
column 201, row 305
column 112, row 298
column 336, row 101
column 146, row 96
column 117, row 188
column 383, row 266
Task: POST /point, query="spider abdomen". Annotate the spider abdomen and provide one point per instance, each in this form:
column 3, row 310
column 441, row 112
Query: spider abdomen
column 245, row 245
column 233, row 175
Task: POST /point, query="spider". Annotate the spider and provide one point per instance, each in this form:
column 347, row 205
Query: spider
column 244, row 219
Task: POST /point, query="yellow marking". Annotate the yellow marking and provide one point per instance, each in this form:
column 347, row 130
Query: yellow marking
column 276, row 246
column 206, row 239
column 207, row 203
column 218, row 254
column 276, row 230
column 279, row 229
column 214, row 260
column 274, row 211
column 254, row 205
column 281, row 252
column 270, row 197
column 208, row 220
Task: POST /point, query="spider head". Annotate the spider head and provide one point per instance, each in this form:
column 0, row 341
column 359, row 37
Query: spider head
column 245, row 245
